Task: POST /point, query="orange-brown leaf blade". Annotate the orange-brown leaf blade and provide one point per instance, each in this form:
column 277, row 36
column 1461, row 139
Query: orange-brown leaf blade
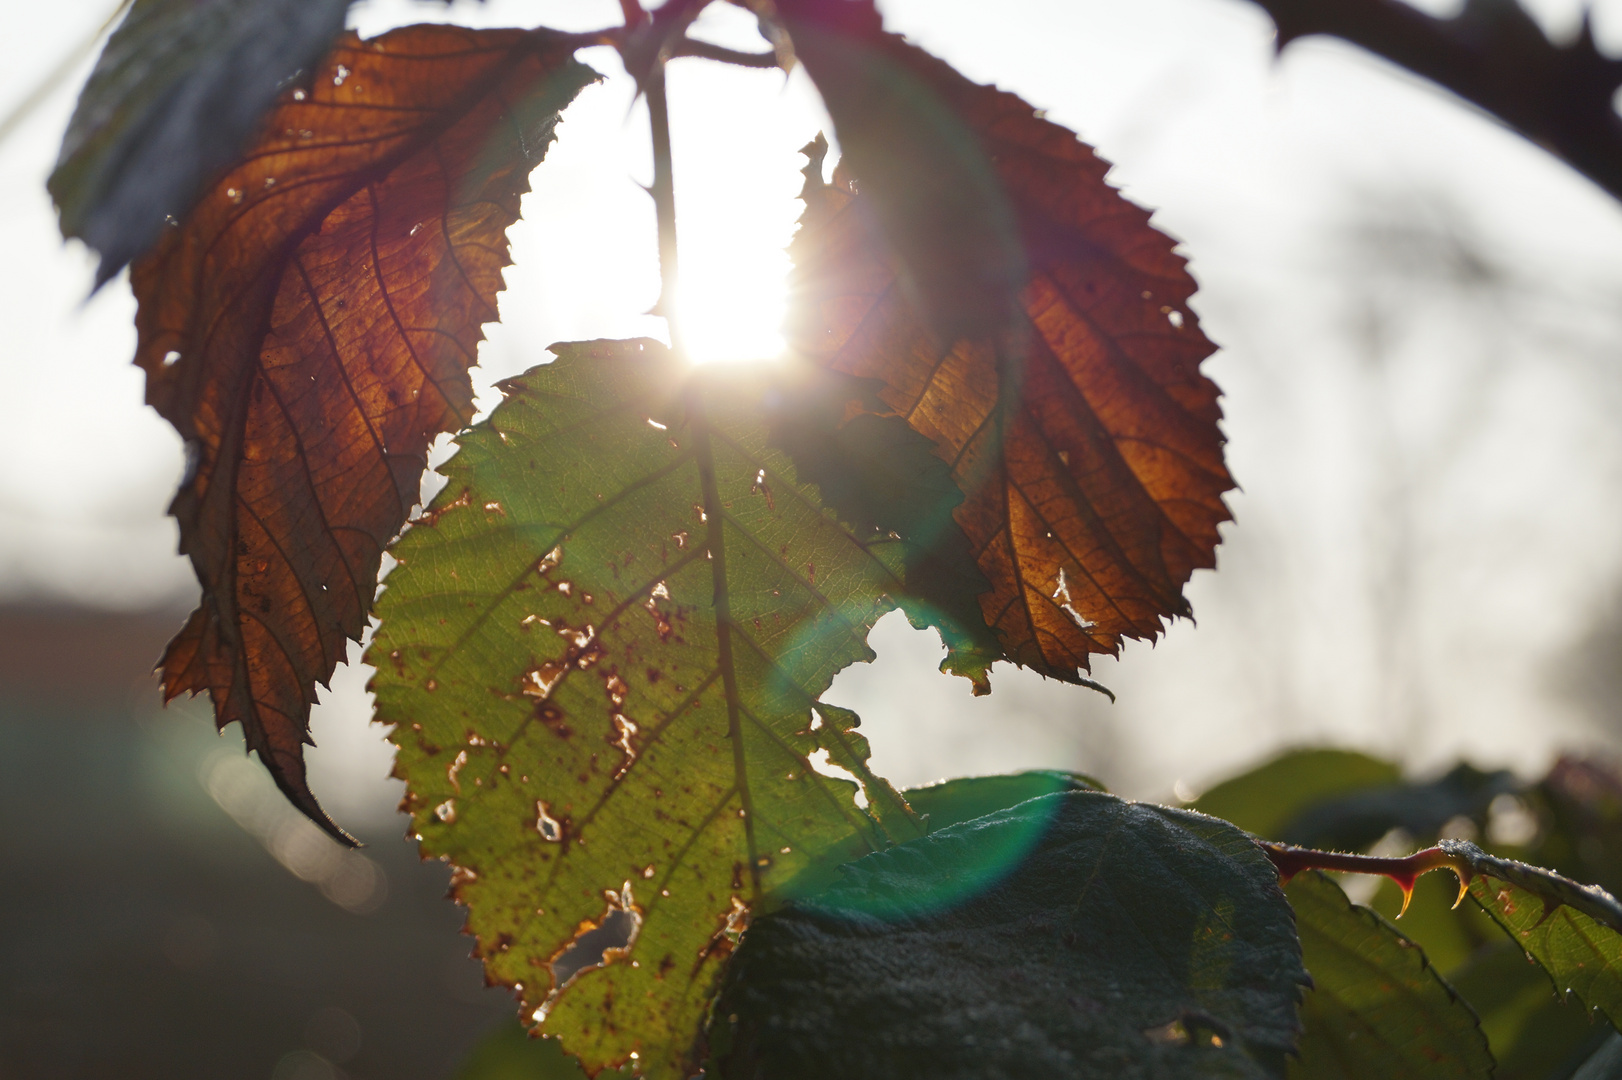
column 1086, row 439
column 309, row 329
column 937, row 199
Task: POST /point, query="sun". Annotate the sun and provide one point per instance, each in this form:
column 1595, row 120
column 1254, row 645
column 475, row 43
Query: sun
column 730, row 302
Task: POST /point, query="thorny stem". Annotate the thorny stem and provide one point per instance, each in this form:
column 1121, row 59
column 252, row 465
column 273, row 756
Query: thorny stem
column 1496, row 56
column 664, row 203
column 721, row 54
column 1291, row 860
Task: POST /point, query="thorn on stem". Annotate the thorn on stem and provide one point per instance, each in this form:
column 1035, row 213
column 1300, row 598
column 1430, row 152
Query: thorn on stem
column 1405, row 871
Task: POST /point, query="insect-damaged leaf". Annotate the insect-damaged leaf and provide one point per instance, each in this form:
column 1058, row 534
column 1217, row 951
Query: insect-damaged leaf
column 1377, row 1007
column 1073, row 935
column 602, row 651
column 1573, row 931
column 1085, row 438
column 177, row 93
column 308, row 331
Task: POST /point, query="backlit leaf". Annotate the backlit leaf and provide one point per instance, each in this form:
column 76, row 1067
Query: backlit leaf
column 1574, row 931
column 1377, row 1007
column 308, row 331
column 1531, row 1032
column 1074, row 935
column 936, row 195
column 510, row 1053
column 177, row 93
column 602, row 650
column 1085, row 438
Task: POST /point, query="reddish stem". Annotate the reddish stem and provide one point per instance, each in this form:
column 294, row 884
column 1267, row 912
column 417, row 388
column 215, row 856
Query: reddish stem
column 1291, row 860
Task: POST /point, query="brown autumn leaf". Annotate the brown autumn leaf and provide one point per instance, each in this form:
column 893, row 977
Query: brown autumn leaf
column 1085, row 437
column 308, row 330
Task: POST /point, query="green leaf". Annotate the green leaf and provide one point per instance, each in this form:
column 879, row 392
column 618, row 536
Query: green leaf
column 175, row 96
column 602, row 650
column 1532, row 1033
column 1268, row 798
column 1377, row 1008
column 1073, row 935
column 1449, row 935
column 1574, row 931
column 954, row 801
column 871, row 473
column 511, row 1053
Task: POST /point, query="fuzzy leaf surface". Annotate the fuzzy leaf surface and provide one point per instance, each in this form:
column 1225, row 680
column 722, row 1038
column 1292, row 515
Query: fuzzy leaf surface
column 175, row 96
column 1377, row 1007
column 1073, row 935
column 1085, row 437
column 1573, row 931
column 308, row 330
column 602, row 650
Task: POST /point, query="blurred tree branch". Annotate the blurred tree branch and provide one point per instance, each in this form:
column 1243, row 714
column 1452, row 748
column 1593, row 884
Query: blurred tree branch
column 1494, row 55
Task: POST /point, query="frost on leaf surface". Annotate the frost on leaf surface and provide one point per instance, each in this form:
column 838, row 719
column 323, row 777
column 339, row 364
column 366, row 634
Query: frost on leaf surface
column 602, row 651
column 1080, row 427
column 308, row 331
column 1073, row 935
column 1377, row 1007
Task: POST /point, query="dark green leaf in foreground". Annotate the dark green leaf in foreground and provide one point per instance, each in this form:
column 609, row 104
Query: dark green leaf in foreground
column 177, row 93
column 1268, row 798
column 1074, row 935
column 1574, row 931
column 602, row 650
column 1378, row 1008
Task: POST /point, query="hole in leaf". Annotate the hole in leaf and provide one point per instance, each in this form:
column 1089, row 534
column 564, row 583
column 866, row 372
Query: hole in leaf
column 1062, row 594
column 595, row 944
column 823, row 764
column 546, row 824
column 1172, row 1034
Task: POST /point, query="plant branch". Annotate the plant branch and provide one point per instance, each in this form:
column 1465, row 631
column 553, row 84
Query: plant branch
column 1493, row 55
column 706, row 51
column 664, row 200
column 1291, row 860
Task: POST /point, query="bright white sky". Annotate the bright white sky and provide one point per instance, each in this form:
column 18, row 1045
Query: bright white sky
column 1429, row 518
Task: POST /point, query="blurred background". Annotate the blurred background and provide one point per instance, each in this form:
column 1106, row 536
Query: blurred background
column 1421, row 327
